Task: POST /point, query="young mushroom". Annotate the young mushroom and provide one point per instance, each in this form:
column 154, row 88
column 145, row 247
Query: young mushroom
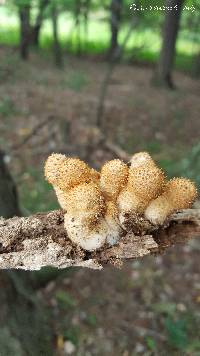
column 90, row 221
column 179, row 194
column 145, row 182
column 84, row 217
column 65, row 173
column 113, row 178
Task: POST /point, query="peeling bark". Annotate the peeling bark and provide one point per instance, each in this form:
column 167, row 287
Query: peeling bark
column 40, row 240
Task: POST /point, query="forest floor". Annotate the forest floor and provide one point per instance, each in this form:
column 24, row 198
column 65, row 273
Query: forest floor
column 150, row 306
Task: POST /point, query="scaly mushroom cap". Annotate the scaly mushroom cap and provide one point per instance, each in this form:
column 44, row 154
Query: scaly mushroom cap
column 66, row 172
column 72, row 172
column 86, row 200
column 113, row 178
column 179, row 194
column 140, row 159
column 52, row 167
column 128, row 201
column 146, row 181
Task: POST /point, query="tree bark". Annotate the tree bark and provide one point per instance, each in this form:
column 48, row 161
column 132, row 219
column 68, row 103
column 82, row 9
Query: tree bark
column 196, row 67
column 109, row 71
column 35, row 31
column 8, row 193
column 24, row 15
column 116, row 14
column 56, row 44
column 163, row 74
column 40, row 240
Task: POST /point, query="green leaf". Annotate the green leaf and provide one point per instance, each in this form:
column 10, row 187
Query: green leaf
column 177, row 333
column 151, row 344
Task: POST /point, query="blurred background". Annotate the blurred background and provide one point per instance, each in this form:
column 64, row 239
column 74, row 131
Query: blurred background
column 98, row 80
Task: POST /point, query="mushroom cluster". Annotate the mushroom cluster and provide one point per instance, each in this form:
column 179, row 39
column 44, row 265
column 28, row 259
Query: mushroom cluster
column 99, row 207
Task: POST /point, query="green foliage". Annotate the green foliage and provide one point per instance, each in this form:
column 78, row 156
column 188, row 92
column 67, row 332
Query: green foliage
column 188, row 166
column 39, row 195
column 150, row 342
column 177, row 333
column 65, row 300
column 143, row 46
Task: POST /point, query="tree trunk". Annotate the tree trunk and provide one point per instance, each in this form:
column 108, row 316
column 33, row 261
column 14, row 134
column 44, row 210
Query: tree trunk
column 24, row 328
column 35, row 32
column 163, row 74
column 56, row 45
column 8, row 194
column 78, row 8
column 116, row 13
column 86, row 10
column 196, row 67
column 24, row 15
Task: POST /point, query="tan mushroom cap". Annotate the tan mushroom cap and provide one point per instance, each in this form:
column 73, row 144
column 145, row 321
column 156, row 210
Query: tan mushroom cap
column 72, row 172
column 140, row 159
column 146, row 181
column 86, row 199
column 128, row 201
column 52, row 167
column 113, row 178
column 181, row 192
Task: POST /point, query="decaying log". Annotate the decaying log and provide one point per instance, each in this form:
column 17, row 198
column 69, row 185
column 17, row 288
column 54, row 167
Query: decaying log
column 40, row 240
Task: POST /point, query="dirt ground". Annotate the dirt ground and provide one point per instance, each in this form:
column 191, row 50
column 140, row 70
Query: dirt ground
column 150, row 306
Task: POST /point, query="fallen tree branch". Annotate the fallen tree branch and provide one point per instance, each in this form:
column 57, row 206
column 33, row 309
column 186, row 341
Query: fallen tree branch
column 14, row 148
column 40, row 240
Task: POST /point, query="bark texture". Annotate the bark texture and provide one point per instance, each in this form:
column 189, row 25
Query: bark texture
column 170, row 32
column 56, row 44
column 24, row 15
column 36, row 28
column 40, row 240
column 116, row 14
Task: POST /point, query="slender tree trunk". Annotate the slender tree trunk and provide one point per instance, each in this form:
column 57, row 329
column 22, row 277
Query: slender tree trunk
column 78, row 6
column 35, row 32
column 86, row 10
column 8, row 193
column 196, row 66
column 106, row 81
column 116, row 13
column 24, row 15
column 56, row 44
column 163, row 74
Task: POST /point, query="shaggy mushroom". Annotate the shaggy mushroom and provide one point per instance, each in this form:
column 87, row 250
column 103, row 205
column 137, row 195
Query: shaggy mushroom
column 99, row 206
column 179, row 194
column 145, row 182
column 113, row 178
